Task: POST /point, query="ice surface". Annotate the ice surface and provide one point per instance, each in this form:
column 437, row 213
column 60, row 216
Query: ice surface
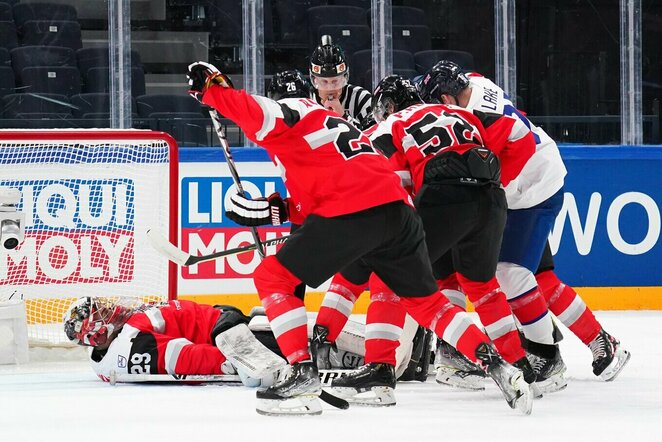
column 64, row 401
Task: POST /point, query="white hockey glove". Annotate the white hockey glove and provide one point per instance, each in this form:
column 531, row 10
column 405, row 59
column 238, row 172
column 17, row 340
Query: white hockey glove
column 201, row 76
column 258, row 212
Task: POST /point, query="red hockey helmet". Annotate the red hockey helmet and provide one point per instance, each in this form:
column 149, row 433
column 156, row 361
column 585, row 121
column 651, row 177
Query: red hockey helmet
column 91, row 320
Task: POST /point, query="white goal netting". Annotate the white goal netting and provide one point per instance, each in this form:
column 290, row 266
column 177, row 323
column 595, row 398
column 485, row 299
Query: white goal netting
column 88, row 198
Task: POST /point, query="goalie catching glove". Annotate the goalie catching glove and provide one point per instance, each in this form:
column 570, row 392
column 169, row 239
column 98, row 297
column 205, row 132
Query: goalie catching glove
column 258, row 212
column 202, row 75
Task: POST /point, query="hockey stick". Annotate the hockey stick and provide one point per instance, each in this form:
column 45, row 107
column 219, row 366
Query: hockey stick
column 180, row 257
column 123, row 378
column 175, row 378
column 215, row 119
column 334, row 401
column 259, row 245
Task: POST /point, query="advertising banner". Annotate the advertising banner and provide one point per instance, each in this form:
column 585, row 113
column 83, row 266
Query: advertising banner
column 606, row 235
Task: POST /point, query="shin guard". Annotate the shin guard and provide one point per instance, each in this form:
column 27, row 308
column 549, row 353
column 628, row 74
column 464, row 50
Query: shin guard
column 286, row 313
column 384, row 323
column 568, row 307
column 337, row 305
column 448, row 322
column 451, row 288
column 496, row 316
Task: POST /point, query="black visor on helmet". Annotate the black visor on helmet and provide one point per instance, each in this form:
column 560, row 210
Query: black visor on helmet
column 393, row 94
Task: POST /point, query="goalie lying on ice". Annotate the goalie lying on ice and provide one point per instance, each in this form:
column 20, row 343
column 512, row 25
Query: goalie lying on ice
column 179, row 337
column 185, row 338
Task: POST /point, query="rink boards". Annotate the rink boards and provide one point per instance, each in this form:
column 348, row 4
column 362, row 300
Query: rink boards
column 606, row 239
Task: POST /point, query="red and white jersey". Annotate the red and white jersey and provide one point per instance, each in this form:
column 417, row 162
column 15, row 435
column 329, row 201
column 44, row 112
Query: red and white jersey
column 329, row 166
column 398, row 164
column 423, row 131
column 543, row 173
column 174, row 338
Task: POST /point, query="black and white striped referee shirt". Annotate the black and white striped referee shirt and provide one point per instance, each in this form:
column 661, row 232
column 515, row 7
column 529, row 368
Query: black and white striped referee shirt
column 356, row 102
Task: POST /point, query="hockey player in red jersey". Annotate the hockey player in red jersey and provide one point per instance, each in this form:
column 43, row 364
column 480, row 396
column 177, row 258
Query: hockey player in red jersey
column 462, row 205
column 534, row 197
column 177, row 337
column 354, row 209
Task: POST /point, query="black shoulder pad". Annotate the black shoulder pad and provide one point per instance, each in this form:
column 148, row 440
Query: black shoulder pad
column 487, row 119
column 385, row 144
column 290, row 116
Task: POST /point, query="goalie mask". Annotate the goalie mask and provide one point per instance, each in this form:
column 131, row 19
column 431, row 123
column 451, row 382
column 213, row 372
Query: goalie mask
column 444, row 78
column 288, row 84
column 90, row 320
column 393, row 94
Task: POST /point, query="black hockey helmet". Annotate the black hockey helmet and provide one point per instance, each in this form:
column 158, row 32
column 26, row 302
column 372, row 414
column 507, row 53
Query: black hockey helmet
column 289, row 84
column 393, row 93
column 445, row 77
column 328, row 60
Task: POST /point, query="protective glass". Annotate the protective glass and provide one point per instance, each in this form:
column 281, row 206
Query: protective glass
column 381, row 109
column 329, row 83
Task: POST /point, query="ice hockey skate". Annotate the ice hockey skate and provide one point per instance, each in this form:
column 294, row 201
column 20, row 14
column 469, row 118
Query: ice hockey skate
column 455, row 370
column 295, row 393
column 509, row 379
column 609, row 357
column 372, row 384
column 550, row 372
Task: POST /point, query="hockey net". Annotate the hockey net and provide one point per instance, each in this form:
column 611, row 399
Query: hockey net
column 89, row 196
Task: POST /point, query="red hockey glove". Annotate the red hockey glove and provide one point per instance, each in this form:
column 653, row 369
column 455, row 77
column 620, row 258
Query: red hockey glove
column 201, row 76
column 258, row 212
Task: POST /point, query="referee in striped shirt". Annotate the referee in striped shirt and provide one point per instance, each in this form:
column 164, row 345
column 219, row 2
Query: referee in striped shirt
column 328, row 74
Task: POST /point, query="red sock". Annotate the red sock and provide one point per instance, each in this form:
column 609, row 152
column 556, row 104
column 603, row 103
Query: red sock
column 496, row 316
column 448, row 321
column 384, row 322
column 451, row 288
column 568, row 307
column 337, row 305
column 287, row 314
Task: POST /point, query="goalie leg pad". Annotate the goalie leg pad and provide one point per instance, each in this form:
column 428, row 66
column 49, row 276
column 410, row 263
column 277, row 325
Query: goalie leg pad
column 352, row 337
column 247, row 354
column 404, row 351
column 230, row 317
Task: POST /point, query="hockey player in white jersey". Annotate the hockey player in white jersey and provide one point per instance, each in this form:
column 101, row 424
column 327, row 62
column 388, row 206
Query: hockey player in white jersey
column 534, row 198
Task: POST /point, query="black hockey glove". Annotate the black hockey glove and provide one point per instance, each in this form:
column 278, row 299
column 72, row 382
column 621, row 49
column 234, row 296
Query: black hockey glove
column 201, row 76
column 258, row 212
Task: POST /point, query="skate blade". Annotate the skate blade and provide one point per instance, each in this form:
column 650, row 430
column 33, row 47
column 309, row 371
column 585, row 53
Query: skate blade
column 371, row 397
column 295, row 406
column 523, row 401
column 551, row 385
column 459, row 379
column 621, row 358
column 536, row 391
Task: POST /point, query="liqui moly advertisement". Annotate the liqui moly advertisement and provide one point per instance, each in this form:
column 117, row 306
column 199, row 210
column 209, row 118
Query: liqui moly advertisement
column 76, row 230
column 205, row 229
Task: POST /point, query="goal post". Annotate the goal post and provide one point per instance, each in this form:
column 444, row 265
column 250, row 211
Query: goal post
column 89, row 197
